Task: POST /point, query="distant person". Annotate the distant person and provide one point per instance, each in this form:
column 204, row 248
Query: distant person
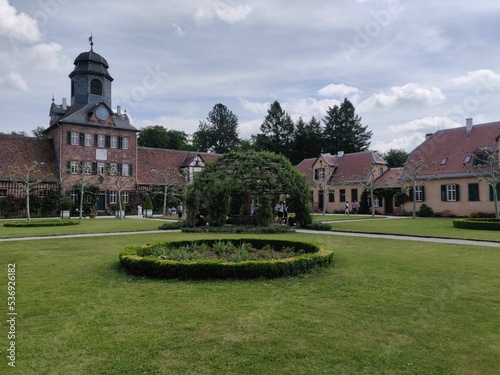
column 180, row 211
column 355, row 206
column 139, row 210
column 346, row 211
column 279, row 209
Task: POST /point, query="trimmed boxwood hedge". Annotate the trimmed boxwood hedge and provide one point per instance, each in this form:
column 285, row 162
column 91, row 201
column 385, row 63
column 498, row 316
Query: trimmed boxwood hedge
column 41, row 223
column 480, row 224
column 135, row 260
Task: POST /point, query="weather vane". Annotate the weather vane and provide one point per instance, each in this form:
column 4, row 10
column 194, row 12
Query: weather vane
column 91, row 41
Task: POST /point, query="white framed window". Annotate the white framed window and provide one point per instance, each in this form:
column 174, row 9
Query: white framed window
column 42, row 193
column 125, row 143
column 419, row 193
column 75, row 137
column 376, row 201
column 112, row 197
column 125, row 196
column 74, row 166
column 113, row 168
column 125, row 170
column 114, row 141
column 3, row 192
column 88, row 167
column 319, row 173
column 88, row 139
column 100, row 140
column 451, row 193
column 74, row 195
column 100, row 168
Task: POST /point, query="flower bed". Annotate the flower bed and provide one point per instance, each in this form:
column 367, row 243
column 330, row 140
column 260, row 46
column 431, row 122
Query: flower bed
column 221, row 259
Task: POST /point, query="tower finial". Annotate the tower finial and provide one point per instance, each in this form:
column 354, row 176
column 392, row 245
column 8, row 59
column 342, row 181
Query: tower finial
column 91, row 42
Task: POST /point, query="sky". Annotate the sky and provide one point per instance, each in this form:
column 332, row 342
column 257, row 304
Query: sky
column 409, row 67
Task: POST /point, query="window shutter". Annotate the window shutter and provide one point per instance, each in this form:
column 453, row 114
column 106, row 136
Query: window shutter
column 130, row 173
column 120, row 168
column 108, row 141
column 94, row 167
column 423, row 193
column 107, row 168
column 443, row 192
column 68, row 166
column 120, row 142
column 95, row 140
column 69, row 137
column 381, row 201
column 82, row 139
column 411, row 194
column 457, row 187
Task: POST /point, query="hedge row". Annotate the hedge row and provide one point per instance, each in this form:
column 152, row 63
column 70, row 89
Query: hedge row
column 273, row 229
column 40, row 223
column 136, row 261
column 479, row 224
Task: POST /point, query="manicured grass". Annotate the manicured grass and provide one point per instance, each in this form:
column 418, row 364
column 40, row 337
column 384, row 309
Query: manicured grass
column 340, row 217
column 386, row 307
column 106, row 225
column 429, row 227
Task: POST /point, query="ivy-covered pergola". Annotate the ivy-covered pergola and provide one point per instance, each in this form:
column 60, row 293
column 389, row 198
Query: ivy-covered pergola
column 228, row 186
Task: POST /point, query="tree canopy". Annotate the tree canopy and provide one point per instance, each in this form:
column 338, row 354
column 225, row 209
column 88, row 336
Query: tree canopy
column 344, row 131
column 277, row 131
column 395, row 157
column 265, row 176
column 219, row 133
column 158, row 136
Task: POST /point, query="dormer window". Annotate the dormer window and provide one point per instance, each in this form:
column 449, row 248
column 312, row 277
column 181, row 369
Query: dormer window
column 467, row 159
column 443, row 161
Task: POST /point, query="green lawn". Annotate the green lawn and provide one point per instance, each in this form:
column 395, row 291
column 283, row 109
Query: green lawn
column 428, row 227
column 386, row 307
column 107, row 225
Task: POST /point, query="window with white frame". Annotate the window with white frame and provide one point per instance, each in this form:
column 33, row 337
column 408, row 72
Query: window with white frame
column 42, row 193
column 451, row 193
column 113, row 168
column 88, row 167
column 419, row 193
column 112, row 197
column 74, row 166
column 114, row 141
column 73, row 194
column 100, row 140
column 125, row 196
column 75, row 137
column 376, row 201
column 3, row 192
column 100, row 168
column 125, row 143
column 125, row 170
column 88, row 139
column 319, row 173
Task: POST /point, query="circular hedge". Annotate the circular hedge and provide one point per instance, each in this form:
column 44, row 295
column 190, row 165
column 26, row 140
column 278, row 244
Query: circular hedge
column 145, row 260
column 40, row 223
column 479, row 224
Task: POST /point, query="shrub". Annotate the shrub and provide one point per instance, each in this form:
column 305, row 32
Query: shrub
column 319, row 226
column 482, row 215
column 173, row 226
column 147, row 261
column 148, row 204
column 478, row 224
column 236, row 229
column 41, row 223
column 425, row 211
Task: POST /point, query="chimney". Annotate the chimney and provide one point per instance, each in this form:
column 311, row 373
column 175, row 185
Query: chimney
column 64, row 104
column 468, row 125
column 119, row 110
column 428, row 135
column 340, row 154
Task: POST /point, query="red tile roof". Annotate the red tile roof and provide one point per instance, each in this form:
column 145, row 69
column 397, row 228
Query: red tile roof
column 355, row 166
column 390, row 179
column 158, row 159
column 23, row 151
column 444, row 152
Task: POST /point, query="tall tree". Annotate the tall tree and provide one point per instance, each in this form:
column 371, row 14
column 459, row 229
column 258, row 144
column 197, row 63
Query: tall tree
column 24, row 178
column 344, row 131
column 219, row 133
column 158, row 136
column 38, row 132
column 307, row 141
column 395, row 157
column 277, row 132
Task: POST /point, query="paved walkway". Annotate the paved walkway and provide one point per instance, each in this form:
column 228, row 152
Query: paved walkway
column 306, row 231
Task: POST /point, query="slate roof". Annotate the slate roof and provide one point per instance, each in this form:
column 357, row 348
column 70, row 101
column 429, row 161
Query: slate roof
column 91, row 62
column 21, row 151
column 444, row 152
column 158, row 159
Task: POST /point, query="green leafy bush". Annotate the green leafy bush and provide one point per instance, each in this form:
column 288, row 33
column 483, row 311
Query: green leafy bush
column 425, row 211
column 151, row 260
column 319, row 226
column 479, row 224
column 41, row 223
column 236, row 229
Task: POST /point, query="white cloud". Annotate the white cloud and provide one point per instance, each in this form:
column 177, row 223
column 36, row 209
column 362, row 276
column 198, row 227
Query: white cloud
column 46, row 56
column 411, row 93
column 481, row 76
column 178, row 29
column 225, row 12
column 17, row 27
column 14, row 81
column 254, row 107
column 339, row 91
column 428, row 124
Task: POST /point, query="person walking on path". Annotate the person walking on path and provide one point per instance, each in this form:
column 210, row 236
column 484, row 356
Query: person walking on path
column 180, row 211
column 346, row 211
